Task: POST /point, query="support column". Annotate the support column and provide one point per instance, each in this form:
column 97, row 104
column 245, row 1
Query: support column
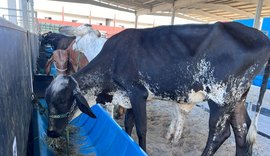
column 23, row 14
column 90, row 17
column 257, row 20
column 12, row 13
column 173, row 13
column 31, row 16
column 136, row 20
column 63, row 14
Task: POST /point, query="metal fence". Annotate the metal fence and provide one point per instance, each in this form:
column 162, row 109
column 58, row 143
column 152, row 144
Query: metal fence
column 46, row 27
column 28, row 22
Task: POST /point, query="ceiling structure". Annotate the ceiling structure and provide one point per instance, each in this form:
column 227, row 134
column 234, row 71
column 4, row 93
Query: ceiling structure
column 197, row 10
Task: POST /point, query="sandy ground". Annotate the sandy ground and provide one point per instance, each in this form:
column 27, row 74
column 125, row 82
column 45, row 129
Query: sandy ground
column 195, row 131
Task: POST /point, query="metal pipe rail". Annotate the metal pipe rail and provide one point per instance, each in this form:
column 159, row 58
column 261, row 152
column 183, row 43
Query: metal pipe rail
column 31, row 21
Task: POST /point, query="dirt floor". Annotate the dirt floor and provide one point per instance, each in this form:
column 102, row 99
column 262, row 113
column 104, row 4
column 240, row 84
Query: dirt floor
column 194, row 134
column 195, row 130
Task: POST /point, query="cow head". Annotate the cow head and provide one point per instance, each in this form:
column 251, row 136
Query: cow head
column 79, row 31
column 60, row 59
column 63, row 96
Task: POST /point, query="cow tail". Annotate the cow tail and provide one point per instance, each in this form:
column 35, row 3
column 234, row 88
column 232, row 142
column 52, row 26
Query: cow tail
column 252, row 132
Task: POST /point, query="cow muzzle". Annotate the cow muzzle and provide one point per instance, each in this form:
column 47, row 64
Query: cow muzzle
column 53, row 134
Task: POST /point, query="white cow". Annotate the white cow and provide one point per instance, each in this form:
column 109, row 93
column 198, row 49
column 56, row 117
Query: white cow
column 88, row 40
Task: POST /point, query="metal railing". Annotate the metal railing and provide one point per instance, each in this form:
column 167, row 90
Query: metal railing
column 29, row 22
column 265, row 32
column 46, row 27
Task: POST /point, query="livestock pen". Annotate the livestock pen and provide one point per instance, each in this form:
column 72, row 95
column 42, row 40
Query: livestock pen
column 19, row 51
column 21, row 135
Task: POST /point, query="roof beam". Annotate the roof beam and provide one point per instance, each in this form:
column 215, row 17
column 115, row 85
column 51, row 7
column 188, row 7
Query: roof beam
column 86, row 17
column 168, row 6
column 125, row 2
column 203, row 13
column 177, row 15
column 252, row 1
column 183, row 4
column 224, row 8
column 98, row 4
column 149, row 1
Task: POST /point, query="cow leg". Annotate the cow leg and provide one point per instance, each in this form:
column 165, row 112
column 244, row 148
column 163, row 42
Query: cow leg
column 138, row 95
column 129, row 121
column 120, row 111
column 177, row 124
column 240, row 123
column 219, row 127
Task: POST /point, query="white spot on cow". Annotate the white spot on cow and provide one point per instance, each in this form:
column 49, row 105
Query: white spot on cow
column 121, row 98
column 59, row 83
column 220, row 126
column 222, row 121
column 220, row 92
column 205, row 76
column 217, row 92
column 90, row 44
column 244, row 125
column 195, row 97
column 91, row 97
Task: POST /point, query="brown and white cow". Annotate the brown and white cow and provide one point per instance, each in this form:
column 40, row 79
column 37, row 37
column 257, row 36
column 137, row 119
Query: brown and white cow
column 66, row 61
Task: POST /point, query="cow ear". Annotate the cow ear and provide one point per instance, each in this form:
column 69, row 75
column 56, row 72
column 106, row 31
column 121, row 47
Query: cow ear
column 83, row 105
column 68, row 31
column 97, row 33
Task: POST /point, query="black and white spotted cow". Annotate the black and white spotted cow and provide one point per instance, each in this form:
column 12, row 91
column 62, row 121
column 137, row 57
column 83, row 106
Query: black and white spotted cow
column 185, row 64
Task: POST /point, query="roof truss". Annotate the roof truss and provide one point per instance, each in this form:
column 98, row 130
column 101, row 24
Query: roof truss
column 199, row 10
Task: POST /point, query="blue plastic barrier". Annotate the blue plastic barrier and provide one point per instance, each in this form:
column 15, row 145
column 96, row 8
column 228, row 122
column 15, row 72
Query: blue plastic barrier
column 101, row 136
column 257, row 81
column 40, row 125
column 53, row 71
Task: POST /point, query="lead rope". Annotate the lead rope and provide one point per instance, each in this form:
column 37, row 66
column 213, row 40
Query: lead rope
column 67, row 138
column 38, row 105
column 78, row 60
column 42, row 111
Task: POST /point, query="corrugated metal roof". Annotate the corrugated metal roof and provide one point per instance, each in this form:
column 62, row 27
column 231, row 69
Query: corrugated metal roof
column 199, row 10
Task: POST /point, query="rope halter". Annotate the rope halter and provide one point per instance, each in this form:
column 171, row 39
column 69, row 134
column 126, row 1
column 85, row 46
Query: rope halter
column 64, row 115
